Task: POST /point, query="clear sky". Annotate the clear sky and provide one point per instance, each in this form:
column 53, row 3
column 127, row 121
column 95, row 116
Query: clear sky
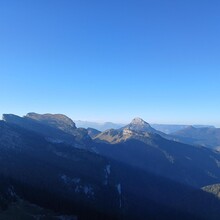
column 112, row 60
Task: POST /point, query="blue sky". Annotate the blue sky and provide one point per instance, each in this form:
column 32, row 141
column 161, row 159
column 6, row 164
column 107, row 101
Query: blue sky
column 112, row 60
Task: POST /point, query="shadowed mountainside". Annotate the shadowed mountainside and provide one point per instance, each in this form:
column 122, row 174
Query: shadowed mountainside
column 143, row 175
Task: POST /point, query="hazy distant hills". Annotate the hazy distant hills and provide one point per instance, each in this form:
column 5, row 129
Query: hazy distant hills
column 128, row 173
column 98, row 126
column 168, row 129
column 165, row 128
column 206, row 136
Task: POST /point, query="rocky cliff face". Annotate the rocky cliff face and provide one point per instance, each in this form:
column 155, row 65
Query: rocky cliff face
column 56, row 128
column 59, row 121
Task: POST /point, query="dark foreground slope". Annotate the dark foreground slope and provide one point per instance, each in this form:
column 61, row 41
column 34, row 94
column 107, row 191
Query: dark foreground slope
column 75, row 182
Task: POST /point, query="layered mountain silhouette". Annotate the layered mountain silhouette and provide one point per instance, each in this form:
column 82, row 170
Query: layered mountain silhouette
column 98, row 126
column 171, row 128
column 165, row 128
column 134, row 173
column 207, row 136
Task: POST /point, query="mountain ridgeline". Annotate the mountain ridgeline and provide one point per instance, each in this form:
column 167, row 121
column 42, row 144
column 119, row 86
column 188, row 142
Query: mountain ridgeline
column 50, row 169
column 205, row 136
column 56, row 128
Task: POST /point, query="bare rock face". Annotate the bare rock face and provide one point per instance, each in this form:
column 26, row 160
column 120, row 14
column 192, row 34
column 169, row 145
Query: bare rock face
column 139, row 121
column 59, row 121
column 138, row 124
column 138, row 129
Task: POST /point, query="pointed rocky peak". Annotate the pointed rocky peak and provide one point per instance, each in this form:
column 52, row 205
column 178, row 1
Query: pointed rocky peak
column 139, row 125
column 138, row 129
column 139, row 121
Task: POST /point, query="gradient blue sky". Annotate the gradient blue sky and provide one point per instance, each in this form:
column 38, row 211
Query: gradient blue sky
column 112, row 60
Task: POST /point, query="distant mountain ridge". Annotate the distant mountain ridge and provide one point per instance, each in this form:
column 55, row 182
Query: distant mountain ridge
column 165, row 128
column 171, row 128
column 59, row 128
column 205, row 136
column 98, row 126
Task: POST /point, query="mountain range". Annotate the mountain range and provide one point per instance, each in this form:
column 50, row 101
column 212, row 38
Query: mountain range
column 50, row 169
column 199, row 135
column 139, row 145
column 165, row 128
